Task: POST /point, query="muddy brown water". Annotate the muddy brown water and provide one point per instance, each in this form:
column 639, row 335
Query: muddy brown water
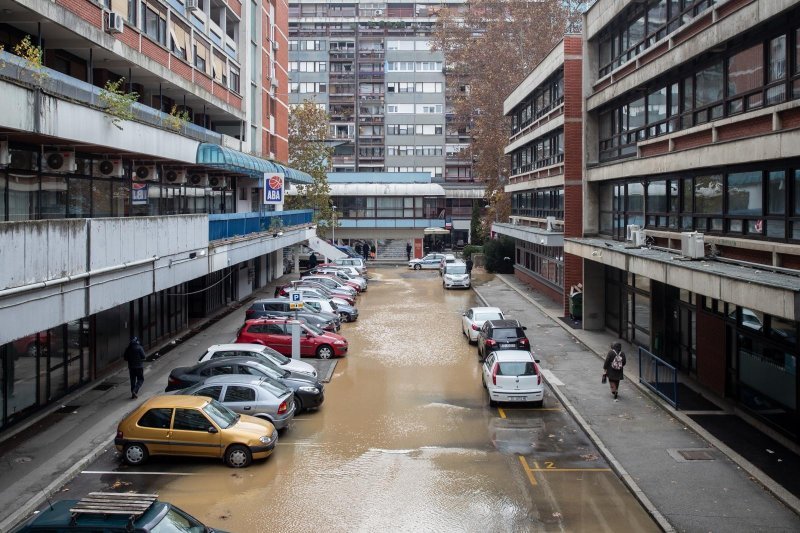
column 406, row 441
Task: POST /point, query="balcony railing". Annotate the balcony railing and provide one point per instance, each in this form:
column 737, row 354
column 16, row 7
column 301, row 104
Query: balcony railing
column 230, row 225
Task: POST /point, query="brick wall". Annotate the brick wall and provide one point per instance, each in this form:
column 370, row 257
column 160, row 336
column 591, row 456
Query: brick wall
column 537, row 285
column 88, row 11
column 181, row 69
column 130, row 37
column 790, row 118
column 754, row 256
column 236, row 7
column 654, row 149
column 745, row 128
column 155, row 52
column 573, row 274
column 693, row 140
column 202, row 80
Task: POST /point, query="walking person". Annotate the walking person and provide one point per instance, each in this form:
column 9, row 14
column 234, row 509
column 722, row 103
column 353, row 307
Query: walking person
column 366, row 249
column 312, row 261
column 408, row 251
column 134, row 355
column 469, row 266
column 612, row 367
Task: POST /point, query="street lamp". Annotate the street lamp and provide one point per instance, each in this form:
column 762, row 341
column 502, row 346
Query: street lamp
column 333, row 227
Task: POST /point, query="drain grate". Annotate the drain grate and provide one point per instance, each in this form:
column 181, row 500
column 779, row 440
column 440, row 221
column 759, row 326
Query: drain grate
column 67, row 409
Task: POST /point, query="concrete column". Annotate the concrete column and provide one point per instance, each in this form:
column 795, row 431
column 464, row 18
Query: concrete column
column 296, row 255
column 594, row 295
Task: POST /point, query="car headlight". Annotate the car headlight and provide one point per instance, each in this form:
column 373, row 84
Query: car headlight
column 312, row 390
column 265, row 439
column 338, row 342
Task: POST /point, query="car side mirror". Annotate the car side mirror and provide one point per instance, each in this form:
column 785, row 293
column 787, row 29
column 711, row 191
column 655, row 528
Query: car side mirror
column 537, row 360
column 212, row 429
column 524, row 328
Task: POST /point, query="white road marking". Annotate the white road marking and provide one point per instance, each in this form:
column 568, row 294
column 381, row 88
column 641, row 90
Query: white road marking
column 104, row 472
column 551, row 378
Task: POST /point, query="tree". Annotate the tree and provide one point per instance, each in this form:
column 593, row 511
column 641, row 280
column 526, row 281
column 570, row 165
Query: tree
column 489, row 47
column 308, row 129
column 476, row 231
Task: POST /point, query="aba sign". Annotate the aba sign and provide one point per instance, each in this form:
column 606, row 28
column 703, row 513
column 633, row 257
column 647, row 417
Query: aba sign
column 273, row 188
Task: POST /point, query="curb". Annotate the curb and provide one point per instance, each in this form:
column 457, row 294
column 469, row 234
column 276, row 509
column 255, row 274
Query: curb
column 783, row 495
column 30, row 505
column 637, row 492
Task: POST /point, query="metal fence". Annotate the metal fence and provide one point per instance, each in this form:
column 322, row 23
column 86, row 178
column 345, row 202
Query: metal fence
column 226, row 226
column 660, row 376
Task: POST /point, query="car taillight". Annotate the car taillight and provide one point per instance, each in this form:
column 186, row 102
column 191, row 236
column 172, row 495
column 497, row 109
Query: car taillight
column 475, row 327
column 491, row 342
column 523, row 341
column 494, row 374
column 283, row 408
column 119, row 434
column 173, row 381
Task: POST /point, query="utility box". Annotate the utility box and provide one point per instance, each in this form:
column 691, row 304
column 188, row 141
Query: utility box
column 692, row 245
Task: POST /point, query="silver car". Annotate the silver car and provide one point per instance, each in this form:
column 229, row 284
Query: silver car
column 258, row 396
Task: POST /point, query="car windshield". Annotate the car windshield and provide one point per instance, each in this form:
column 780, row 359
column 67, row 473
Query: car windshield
column 506, row 334
column 274, row 355
column 488, row 316
column 221, row 415
column 516, row 368
column 457, row 269
column 314, row 329
column 276, row 388
column 175, row 522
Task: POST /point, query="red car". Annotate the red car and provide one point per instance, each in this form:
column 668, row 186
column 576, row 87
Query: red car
column 277, row 334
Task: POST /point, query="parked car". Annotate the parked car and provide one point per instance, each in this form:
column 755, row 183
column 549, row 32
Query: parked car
column 195, row 426
column 99, row 511
column 512, row 376
column 326, row 292
column 448, row 258
column 315, row 292
column 347, row 269
column 280, row 307
column 257, row 396
column 348, row 313
column 332, row 283
column 356, row 262
column 277, row 334
column 472, row 319
column 258, row 351
column 357, row 282
column 501, row 335
column 308, row 391
column 455, row 275
column 430, row 261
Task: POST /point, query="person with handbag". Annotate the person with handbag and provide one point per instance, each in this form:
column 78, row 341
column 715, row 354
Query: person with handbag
column 612, row 368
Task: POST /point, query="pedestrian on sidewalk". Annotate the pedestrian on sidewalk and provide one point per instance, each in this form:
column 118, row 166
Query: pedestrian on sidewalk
column 469, row 266
column 612, row 367
column 312, row 261
column 134, row 355
column 408, row 251
column 366, row 249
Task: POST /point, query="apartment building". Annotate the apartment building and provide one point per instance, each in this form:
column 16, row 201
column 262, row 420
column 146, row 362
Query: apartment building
column 141, row 221
column 371, row 65
column 546, row 151
column 691, row 126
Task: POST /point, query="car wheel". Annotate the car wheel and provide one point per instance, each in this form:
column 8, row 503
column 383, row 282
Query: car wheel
column 135, row 453
column 417, row 267
column 298, row 404
column 345, row 317
column 324, row 352
column 492, row 403
column 238, row 456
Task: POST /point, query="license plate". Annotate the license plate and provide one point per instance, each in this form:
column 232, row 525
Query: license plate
column 518, row 398
column 507, row 345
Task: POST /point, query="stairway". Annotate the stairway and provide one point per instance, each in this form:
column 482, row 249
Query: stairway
column 392, row 249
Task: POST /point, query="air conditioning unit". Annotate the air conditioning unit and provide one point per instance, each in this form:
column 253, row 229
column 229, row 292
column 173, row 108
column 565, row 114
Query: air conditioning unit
column 378, row 12
column 145, row 173
column 692, row 245
column 198, row 180
column 63, row 161
column 110, row 168
column 175, row 176
column 638, row 238
column 192, row 5
column 114, row 22
column 629, row 229
column 22, row 160
column 276, row 45
column 5, row 156
column 217, row 182
column 551, row 223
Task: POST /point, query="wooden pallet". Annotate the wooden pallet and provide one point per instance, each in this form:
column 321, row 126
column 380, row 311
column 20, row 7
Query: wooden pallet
column 128, row 504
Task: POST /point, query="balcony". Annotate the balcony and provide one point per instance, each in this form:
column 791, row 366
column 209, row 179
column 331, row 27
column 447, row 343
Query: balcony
column 232, row 225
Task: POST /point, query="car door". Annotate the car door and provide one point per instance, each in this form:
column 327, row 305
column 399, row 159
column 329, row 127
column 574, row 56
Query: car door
column 486, row 369
column 239, row 398
column 211, row 391
column 153, row 429
column 278, row 339
column 192, row 434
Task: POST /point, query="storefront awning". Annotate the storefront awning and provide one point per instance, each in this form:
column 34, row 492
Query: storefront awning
column 213, row 155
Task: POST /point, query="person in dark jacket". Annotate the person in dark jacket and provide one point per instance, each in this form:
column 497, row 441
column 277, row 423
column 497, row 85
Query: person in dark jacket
column 612, row 367
column 134, row 355
column 312, row 260
column 408, row 251
column 366, row 249
column 469, row 266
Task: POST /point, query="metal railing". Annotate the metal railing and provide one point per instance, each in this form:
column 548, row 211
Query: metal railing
column 659, row 376
column 229, row 225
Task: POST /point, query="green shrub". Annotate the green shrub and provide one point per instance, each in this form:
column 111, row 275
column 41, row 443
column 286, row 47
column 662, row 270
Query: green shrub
column 471, row 249
column 499, row 255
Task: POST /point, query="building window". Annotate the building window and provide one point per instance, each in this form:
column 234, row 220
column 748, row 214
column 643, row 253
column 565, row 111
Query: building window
column 154, row 25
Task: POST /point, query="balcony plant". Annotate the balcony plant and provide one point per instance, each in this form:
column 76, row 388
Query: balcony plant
column 176, row 119
column 117, row 104
column 34, row 57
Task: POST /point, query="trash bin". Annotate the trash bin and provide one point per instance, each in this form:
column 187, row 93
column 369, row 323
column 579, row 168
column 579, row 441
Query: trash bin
column 576, row 306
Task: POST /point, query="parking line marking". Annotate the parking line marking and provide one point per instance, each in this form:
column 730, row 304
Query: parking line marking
column 502, row 413
column 105, row 472
column 570, row 470
column 528, row 470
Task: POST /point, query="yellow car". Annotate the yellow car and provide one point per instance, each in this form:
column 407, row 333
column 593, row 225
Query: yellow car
column 194, row 426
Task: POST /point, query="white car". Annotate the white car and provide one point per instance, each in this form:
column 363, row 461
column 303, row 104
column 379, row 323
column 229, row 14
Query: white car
column 260, row 352
column 455, row 275
column 344, row 276
column 472, row 320
column 355, row 262
column 429, row 261
column 513, row 376
column 446, row 260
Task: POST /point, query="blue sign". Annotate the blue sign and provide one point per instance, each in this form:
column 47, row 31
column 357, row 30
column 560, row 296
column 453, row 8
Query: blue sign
column 139, row 193
column 273, row 188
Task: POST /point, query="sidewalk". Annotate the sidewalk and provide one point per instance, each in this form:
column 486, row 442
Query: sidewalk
column 45, row 452
column 641, row 436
